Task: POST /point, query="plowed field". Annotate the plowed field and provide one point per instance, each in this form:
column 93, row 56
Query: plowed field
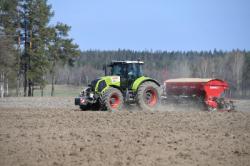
column 52, row 131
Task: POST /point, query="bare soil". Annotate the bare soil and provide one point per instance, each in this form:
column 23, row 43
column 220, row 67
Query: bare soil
column 52, row 131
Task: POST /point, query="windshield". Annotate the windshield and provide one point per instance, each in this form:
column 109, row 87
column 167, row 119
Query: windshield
column 132, row 70
column 116, row 70
column 135, row 70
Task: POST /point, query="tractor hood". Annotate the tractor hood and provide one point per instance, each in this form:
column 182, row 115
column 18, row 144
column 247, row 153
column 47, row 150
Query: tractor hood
column 101, row 83
column 112, row 80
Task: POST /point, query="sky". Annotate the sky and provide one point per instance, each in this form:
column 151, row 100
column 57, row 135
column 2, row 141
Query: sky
column 167, row 25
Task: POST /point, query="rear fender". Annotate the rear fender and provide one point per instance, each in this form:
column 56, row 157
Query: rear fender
column 141, row 80
column 107, row 87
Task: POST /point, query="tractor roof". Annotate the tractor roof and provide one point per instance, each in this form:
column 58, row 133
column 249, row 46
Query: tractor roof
column 126, row 62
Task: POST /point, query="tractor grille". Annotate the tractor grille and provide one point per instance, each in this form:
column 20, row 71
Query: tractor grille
column 102, row 85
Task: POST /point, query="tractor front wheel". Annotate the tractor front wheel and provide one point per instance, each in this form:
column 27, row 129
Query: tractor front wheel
column 112, row 100
column 148, row 96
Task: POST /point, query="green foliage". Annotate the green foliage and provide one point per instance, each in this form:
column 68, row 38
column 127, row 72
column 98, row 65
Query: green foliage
column 8, row 17
column 60, row 47
column 8, row 38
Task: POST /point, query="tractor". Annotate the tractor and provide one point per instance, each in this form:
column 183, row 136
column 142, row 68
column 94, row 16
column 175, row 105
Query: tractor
column 124, row 83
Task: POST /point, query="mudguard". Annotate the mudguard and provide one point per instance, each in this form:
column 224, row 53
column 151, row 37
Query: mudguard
column 141, row 80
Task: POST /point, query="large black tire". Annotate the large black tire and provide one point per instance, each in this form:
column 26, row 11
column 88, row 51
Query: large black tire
column 112, row 100
column 148, row 96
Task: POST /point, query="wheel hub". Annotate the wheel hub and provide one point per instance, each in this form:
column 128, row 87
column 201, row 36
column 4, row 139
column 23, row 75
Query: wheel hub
column 150, row 97
column 114, row 101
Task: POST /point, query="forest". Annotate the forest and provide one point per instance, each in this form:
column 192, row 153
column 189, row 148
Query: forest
column 34, row 54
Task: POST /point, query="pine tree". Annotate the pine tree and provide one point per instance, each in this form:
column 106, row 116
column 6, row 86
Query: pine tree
column 61, row 49
column 8, row 41
column 35, row 16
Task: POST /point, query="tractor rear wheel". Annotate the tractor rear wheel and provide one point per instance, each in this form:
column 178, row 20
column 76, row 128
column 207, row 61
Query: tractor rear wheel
column 148, row 96
column 112, row 100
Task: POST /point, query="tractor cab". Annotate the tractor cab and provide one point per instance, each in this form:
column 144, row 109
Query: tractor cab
column 128, row 71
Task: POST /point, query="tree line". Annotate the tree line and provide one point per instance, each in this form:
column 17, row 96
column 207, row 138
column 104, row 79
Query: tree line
column 232, row 66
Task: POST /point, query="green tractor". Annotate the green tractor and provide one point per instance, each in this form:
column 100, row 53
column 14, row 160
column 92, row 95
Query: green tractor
column 123, row 84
